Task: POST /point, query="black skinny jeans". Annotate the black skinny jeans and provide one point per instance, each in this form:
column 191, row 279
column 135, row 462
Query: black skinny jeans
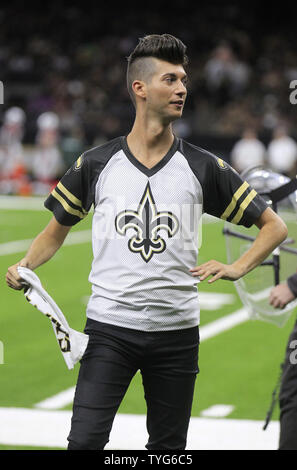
column 168, row 362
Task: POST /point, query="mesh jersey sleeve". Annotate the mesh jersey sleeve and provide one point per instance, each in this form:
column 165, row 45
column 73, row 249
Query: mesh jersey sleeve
column 72, row 198
column 229, row 197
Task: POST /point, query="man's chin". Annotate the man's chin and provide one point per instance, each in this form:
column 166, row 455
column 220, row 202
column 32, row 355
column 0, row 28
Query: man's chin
column 174, row 116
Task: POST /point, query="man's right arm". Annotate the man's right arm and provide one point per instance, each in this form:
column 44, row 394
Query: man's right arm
column 43, row 248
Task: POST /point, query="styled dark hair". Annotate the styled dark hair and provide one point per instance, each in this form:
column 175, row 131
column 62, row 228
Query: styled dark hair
column 164, row 47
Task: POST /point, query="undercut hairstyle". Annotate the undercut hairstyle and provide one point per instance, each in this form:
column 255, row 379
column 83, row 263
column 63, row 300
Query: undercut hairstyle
column 164, row 47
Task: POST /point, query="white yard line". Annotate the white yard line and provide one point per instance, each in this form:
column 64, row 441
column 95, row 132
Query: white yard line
column 217, row 411
column 18, row 246
column 58, row 401
column 215, row 300
column 223, row 324
column 22, row 203
column 40, row 428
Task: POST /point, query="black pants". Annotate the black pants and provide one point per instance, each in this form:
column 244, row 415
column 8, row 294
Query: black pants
column 288, row 396
column 168, row 362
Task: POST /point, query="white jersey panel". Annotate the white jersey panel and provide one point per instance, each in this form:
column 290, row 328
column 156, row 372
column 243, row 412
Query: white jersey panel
column 146, row 227
column 144, row 243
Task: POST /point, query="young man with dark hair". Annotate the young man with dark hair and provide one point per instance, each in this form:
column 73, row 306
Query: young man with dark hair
column 148, row 190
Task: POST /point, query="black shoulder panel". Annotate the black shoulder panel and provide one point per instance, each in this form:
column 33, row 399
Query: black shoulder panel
column 72, row 198
column 225, row 194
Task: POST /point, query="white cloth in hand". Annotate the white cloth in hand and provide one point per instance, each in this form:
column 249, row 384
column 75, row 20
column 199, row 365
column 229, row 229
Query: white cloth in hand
column 72, row 343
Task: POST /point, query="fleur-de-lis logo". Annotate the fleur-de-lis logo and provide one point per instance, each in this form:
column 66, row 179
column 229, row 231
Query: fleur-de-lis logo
column 147, row 222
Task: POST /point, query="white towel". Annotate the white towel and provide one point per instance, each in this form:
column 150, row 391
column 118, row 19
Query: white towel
column 72, row 343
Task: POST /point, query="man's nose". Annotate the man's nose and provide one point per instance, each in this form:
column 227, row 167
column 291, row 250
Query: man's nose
column 181, row 90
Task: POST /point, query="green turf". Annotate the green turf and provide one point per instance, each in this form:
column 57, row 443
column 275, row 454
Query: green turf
column 18, row 448
column 20, row 225
column 238, row 367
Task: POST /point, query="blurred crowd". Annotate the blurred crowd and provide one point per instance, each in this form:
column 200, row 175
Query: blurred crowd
column 63, row 72
column 280, row 155
column 26, row 170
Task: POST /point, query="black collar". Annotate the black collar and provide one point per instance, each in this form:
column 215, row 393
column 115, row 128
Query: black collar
column 155, row 168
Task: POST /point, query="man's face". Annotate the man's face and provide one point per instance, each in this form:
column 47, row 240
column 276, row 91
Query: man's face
column 166, row 91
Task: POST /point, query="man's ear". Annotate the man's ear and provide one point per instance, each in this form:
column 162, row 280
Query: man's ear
column 139, row 89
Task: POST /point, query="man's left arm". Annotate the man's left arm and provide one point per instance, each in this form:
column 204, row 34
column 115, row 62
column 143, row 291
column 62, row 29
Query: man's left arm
column 272, row 232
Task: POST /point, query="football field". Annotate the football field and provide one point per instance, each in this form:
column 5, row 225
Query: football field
column 239, row 358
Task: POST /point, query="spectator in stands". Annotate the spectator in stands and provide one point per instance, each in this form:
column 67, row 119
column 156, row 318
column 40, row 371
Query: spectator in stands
column 12, row 161
column 226, row 76
column 77, row 72
column 11, row 135
column 72, row 145
column 249, row 151
column 282, row 152
column 47, row 161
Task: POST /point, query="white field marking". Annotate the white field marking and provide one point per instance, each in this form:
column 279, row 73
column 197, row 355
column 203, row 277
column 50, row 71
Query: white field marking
column 18, row 246
column 214, row 300
column 22, row 203
column 40, row 428
column 223, row 324
column 217, row 411
column 57, row 401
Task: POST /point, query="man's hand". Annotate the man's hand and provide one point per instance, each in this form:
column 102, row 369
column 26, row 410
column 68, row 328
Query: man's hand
column 281, row 295
column 272, row 231
column 43, row 248
column 13, row 278
column 217, row 270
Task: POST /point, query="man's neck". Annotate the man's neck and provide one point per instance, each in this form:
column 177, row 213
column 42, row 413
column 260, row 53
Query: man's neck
column 149, row 143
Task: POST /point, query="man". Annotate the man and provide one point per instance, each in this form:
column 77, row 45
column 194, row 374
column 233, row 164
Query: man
column 13, row 164
column 282, row 152
column 280, row 296
column 47, row 160
column 248, row 152
column 147, row 188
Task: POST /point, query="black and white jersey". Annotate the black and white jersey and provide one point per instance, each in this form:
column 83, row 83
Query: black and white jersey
column 145, row 230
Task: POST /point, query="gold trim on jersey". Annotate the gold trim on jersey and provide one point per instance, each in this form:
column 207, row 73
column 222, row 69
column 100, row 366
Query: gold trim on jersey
column 228, row 211
column 243, row 207
column 69, row 195
column 67, row 207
